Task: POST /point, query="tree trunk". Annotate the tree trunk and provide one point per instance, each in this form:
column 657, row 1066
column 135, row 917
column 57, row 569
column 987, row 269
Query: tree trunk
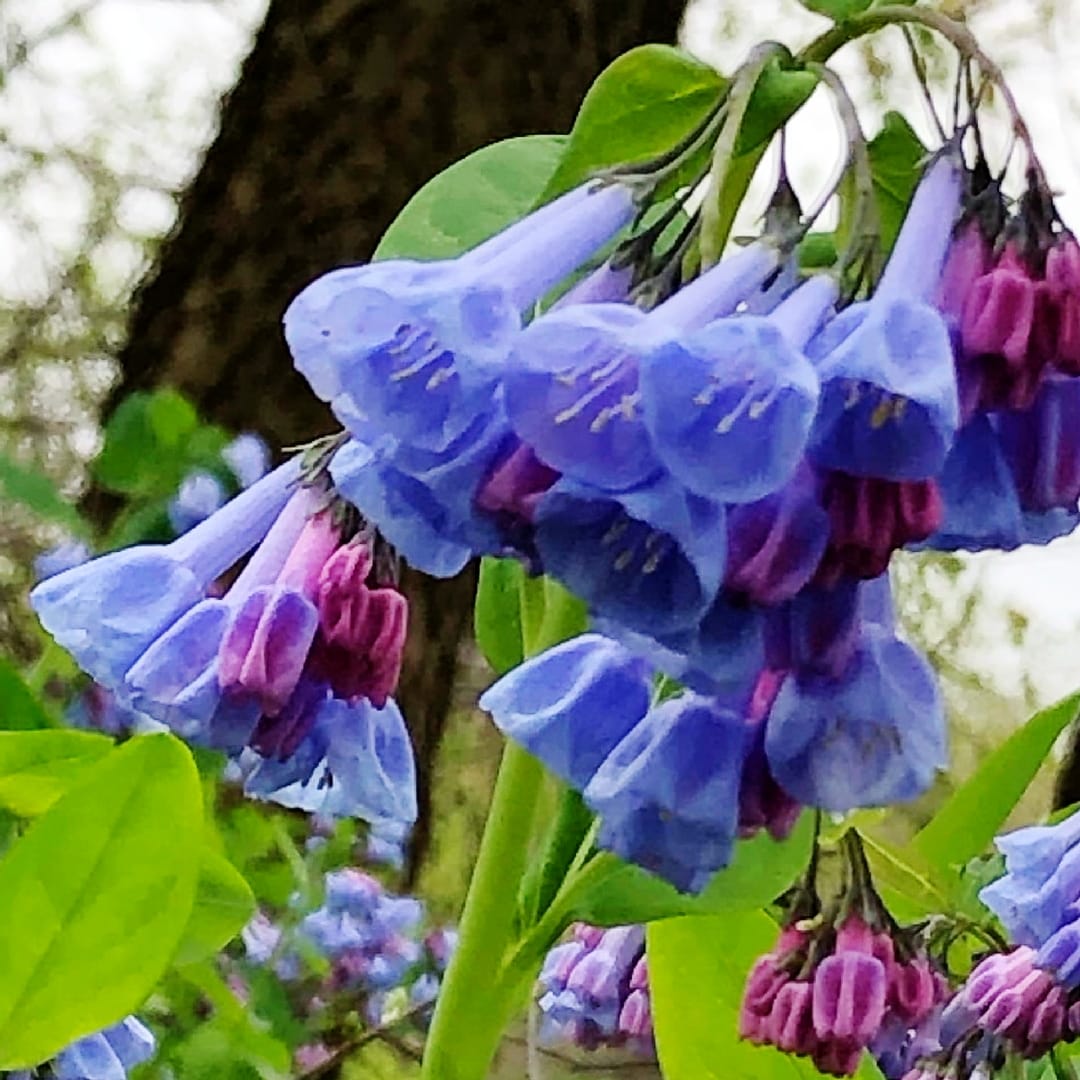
column 342, row 110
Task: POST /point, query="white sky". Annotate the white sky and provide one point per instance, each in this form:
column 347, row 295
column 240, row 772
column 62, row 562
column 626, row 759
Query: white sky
column 180, row 55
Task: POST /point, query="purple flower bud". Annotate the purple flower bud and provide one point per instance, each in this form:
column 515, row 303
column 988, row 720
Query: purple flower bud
column 1063, row 282
column 849, row 997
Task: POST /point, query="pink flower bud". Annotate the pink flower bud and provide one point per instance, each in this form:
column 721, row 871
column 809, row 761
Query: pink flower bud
column 849, row 997
column 791, row 1025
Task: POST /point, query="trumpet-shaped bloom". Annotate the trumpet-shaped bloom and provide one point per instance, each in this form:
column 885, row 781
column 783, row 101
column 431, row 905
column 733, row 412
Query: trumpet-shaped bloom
column 109, row 610
column 414, row 349
column 571, row 705
column 106, row 1055
column 652, row 558
column 889, row 407
column 873, row 736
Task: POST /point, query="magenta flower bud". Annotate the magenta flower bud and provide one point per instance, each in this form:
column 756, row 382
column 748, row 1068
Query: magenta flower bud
column 970, row 256
column 362, row 640
column 639, row 977
column 1063, row 281
column 590, row 936
column 870, row 519
column 514, row 488
column 838, row 1057
column 849, row 997
column 791, row 1023
column 913, row 989
column 635, row 1017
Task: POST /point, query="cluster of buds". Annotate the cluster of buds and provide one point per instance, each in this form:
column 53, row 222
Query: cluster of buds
column 595, row 991
column 842, row 979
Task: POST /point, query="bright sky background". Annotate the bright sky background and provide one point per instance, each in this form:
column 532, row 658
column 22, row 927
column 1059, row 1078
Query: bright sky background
column 182, row 54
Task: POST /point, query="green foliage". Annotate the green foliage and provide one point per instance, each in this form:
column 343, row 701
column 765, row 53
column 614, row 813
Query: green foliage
column 95, row 896
column 19, row 709
column 837, row 9
column 151, row 441
column 473, row 199
column 895, row 156
column 38, row 767
column 223, row 904
column 779, row 93
column 497, row 615
column 640, row 106
column 34, row 490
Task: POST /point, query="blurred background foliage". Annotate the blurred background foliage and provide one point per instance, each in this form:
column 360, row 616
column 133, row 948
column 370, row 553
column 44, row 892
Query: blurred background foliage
column 151, row 235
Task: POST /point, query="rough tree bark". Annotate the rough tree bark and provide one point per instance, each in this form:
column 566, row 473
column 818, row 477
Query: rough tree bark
column 342, row 110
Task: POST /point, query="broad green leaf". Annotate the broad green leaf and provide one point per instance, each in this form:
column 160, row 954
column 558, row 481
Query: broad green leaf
column 638, row 108
column 965, row 825
column 19, row 709
column 761, row 870
column 94, row 898
column 473, row 199
column 34, row 490
column 564, row 616
column 697, row 969
column 778, row 95
column 37, row 767
column 895, row 156
column 909, row 884
column 497, row 616
column 223, row 905
column 837, row 9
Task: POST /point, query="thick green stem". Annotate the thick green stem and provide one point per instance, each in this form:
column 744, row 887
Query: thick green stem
column 469, row 1016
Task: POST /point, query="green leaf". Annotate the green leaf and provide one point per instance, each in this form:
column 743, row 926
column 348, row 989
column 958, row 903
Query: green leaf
column 778, row 95
column 965, row 825
column 697, row 969
column 473, row 199
column 895, row 157
column 837, row 9
column 34, row 490
column 761, row 870
column 497, row 616
column 638, row 108
column 37, row 767
column 94, row 898
column 19, row 709
column 223, row 905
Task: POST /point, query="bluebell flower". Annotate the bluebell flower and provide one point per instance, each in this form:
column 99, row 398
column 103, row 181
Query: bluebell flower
column 248, row 458
column 571, row 705
column 889, row 406
column 200, row 494
column 417, row 348
column 109, row 610
column 105, row 1055
column 734, row 422
column 572, row 381
column 668, row 794
column 64, row 556
column 652, row 558
column 870, row 736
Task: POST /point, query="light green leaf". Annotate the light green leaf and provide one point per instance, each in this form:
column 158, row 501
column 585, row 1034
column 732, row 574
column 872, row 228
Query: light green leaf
column 37, row 767
column 837, row 10
column 761, row 870
column 697, row 969
column 967, row 822
column 94, row 898
column 19, row 709
column 497, row 616
column 473, row 199
column 36, row 491
column 223, row 905
column 638, row 108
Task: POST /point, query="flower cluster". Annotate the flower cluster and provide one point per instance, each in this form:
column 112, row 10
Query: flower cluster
column 106, row 1055
column 595, row 991
column 843, row 980
column 289, row 669
column 362, row 950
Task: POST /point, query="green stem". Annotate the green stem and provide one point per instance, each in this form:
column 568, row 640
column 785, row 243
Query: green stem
column 470, row 1014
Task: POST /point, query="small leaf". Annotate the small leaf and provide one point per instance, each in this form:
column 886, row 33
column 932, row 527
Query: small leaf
column 837, row 10
column 967, row 822
column 778, row 95
column 94, row 898
column 223, row 905
column 37, row 767
column 895, row 157
column 473, row 199
column 638, row 108
column 19, row 709
column 497, row 616
column 761, row 870
column 34, row 490
column 171, row 416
